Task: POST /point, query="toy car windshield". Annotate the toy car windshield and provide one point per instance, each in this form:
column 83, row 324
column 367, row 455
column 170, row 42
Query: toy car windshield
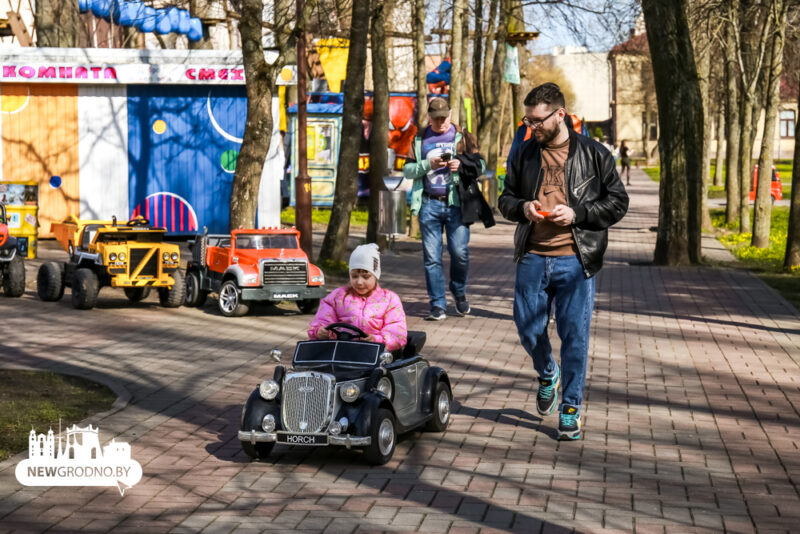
column 334, row 351
column 139, row 237
column 261, row 241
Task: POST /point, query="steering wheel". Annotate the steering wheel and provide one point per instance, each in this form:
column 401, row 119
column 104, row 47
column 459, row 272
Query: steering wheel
column 138, row 221
column 342, row 333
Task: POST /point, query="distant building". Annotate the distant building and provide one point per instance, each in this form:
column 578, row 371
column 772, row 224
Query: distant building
column 588, row 74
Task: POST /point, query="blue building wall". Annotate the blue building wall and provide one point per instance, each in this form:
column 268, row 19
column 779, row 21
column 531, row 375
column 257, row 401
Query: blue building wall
column 183, row 145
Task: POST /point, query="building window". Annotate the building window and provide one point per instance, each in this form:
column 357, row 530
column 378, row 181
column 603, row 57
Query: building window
column 650, row 125
column 787, row 123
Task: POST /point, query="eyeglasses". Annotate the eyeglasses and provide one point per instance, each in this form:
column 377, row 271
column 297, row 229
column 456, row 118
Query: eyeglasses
column 537, row 123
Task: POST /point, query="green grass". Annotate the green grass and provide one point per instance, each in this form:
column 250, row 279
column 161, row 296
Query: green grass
column 37, row 399
column 653, row 172
column 716, row 191
column 358, row 217
column 767, row 262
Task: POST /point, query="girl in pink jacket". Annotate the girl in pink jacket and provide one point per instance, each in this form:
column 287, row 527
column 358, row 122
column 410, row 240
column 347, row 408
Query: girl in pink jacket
column 364, row 304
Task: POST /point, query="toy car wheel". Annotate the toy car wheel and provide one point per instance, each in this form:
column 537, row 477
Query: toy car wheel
column 194, row 296
column 50, row 282
column 135, row 294
column 14, row 280
column 85, row 287
column 257, row 451
column 442, row 399
column 230, row 300
column 308, row 306
column 172, row 297
column 384, row 438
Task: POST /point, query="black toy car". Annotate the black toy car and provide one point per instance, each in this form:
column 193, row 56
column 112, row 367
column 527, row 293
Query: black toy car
column 347, row 392
column 12, row 266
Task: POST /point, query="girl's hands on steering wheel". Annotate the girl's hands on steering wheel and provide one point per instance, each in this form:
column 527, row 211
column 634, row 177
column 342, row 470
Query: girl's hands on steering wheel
column 324, row 333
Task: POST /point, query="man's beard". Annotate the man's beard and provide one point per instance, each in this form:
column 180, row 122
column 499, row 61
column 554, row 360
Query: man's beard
column 545, row 137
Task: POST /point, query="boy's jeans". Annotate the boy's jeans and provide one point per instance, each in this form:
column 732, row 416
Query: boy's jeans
column 540, row 280
column 433, row 215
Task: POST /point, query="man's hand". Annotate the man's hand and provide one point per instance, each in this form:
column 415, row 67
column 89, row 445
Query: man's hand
column 437, row 162
column 562, row 215
column 532, row 209
column 454, row 164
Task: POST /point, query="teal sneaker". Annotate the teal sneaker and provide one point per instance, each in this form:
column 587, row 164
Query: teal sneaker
column 547, row 397
column 569, row 423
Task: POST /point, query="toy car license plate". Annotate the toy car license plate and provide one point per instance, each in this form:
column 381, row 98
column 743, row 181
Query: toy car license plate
column 302, row 439
column 284, row 296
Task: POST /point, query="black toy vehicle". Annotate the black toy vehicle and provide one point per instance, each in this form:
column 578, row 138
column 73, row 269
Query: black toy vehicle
column 347, row 392
column 12, row 266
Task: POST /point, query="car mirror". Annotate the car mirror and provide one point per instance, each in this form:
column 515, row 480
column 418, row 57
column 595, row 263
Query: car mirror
column 386, row 358
column 275, row 354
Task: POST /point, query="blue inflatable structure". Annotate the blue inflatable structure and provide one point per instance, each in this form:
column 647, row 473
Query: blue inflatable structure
column 144, row 18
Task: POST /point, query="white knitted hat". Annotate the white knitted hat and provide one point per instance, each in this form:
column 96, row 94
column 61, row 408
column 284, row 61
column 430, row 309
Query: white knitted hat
column 367, row 257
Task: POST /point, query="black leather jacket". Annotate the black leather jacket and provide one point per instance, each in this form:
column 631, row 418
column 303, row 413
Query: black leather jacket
column 594, row 191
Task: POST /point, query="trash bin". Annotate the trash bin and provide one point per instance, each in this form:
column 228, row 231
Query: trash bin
column 22, row 210
column 392, row 212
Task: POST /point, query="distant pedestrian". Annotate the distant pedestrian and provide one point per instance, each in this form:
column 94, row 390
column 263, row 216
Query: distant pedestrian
column 564, row 192
column 435, row 198
column 625, row 161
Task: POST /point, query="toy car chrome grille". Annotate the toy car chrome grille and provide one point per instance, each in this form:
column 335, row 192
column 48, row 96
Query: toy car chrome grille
column 307, row 402
column 137, row 255
column 285, row 272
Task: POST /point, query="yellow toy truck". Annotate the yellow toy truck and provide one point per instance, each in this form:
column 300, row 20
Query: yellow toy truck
column 131, row 255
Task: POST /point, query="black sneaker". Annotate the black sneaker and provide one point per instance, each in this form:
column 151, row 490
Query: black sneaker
column 569, row 423
column 436, row 314
column 547, row 396
column 462, row 306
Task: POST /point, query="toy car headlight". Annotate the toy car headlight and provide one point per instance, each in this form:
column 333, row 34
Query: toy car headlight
column 112, row 256
column 268, row 389
column 122, row 256
column 386, row 358
column 268, row 423
column 250, row 278
column 165, row 256
column 174, row 256
column 349, row 392
column 385, row 386
column 320, row 279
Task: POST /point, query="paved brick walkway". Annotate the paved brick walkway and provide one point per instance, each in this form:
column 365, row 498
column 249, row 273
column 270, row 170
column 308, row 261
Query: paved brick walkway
column 691, row 413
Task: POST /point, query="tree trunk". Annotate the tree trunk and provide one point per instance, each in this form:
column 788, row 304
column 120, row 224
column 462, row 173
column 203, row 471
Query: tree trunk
column 334, row 245
column 57, row 23
column 792, row 259
column 419, row 63
column 719, row 163
column 732, row 130
column 704, row 73
column 745, row 158
column 489, row 131
column 680, row 115
column 260, row 84
column 763, row 207
column 379, row 138
column 477, row 68
column 457, row 69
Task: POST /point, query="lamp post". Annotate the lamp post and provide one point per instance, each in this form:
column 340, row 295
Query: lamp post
column 302, row 183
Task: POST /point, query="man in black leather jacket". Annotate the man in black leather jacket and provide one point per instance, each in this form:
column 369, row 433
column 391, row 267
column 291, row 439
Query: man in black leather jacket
column 564, row 192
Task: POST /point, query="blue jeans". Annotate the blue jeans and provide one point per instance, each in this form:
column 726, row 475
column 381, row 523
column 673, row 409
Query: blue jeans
column 433, row 216
column 540, row 281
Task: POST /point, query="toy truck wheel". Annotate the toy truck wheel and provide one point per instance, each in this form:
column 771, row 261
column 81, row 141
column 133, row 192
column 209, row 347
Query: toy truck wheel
column 308, row 306
column 194, row 295
column 85, row 287
column 384, row 438
column 442, row 399
column 172, row 297
column 230, row 300
column 135, row 294
column 14, row 280
column 50, row 282
column 257, row 451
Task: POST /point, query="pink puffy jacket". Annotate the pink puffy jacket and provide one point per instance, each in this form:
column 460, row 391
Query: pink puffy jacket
column 379, row 314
